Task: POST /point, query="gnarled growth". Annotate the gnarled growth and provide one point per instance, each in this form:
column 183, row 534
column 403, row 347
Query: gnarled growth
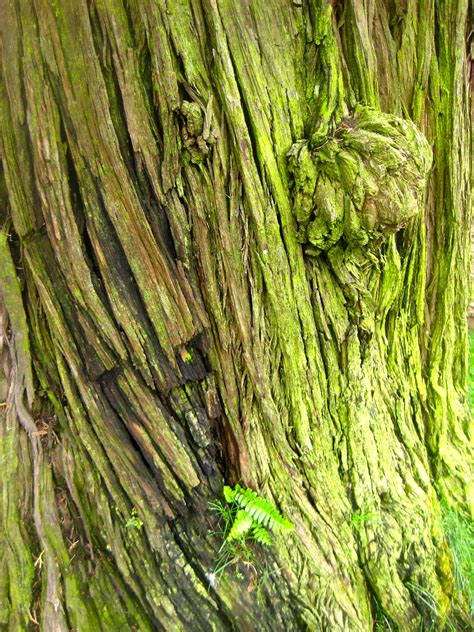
column 366, row 179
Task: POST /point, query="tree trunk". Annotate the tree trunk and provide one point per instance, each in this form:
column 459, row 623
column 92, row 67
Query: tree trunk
column 235, row 249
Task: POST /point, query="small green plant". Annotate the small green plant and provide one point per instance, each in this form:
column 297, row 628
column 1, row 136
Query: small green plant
column 253, row 514
column 245, row 520
column 134, row 523
column 459, row 532
column 186, row 355
column 427, row 603
column 365, row 515
column 382, row 622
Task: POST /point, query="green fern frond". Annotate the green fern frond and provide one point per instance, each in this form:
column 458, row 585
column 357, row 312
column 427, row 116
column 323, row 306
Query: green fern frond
column 261, row 510
column 260, row 534
column 229, row 494
column 242, row 524
column 247, row 517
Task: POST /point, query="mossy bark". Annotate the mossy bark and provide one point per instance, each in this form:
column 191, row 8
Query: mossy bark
column 235, row 248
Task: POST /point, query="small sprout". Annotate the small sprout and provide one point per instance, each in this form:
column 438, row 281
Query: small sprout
column 134, row 522
column 186, row 355
column 364, row 515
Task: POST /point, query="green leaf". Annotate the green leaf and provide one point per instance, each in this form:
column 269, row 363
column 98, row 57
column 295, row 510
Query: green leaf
column 261, row 535
column 260, row 509
column 229, row 494
column 241, row 525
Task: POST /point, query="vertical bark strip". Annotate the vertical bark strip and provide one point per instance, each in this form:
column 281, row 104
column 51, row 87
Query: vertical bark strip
column 235, row 248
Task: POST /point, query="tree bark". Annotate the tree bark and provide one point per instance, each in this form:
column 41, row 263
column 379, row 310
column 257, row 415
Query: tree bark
column 234, row 249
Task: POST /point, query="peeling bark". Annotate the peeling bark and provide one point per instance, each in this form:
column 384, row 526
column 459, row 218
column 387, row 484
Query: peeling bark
column 226, row 256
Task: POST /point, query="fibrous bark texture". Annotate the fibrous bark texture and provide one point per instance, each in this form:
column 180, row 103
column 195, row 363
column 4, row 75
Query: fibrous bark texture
column 234, row 249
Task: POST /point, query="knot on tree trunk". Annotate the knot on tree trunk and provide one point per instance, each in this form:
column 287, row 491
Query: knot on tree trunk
column 197, row 134
column 365, row 180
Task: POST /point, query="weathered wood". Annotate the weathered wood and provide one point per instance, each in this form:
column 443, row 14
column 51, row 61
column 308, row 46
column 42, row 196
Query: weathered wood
column 234, row 261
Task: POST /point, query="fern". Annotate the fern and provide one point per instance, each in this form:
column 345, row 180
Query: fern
column 247, row 518
column 253, row 513
column 260, row 534
column 229, row 494
column 241, row 525
column 262, row 511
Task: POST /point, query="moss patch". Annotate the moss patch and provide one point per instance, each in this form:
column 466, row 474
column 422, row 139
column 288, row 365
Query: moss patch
column 368, row 178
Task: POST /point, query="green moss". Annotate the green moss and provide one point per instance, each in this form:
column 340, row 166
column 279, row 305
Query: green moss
column 470, row 376
column 12, row 299
column 194, row 117
column 368, row 178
